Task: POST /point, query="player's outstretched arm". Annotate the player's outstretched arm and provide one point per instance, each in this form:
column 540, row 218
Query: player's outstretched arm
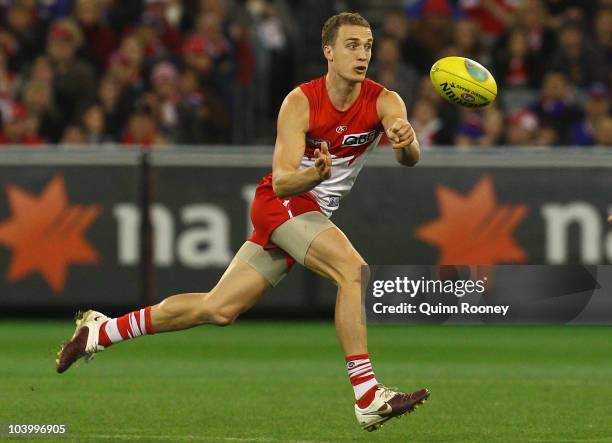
column 392, row 112
column 293, row 121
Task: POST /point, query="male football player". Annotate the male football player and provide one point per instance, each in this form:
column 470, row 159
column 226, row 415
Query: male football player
column 326, row 128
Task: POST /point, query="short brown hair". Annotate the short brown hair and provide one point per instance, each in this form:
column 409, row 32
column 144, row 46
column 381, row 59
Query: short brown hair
column 331, row 26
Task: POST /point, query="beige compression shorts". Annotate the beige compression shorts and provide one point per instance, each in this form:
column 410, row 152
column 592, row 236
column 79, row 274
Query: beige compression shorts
column 293, row 237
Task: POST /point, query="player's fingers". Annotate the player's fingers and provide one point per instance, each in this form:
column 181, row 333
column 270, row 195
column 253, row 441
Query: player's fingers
column 392, row 136
column 327, row 159
column 325, row 148
column 317, row 153
column 398, row 124
column 403, row 131
column 402, row 144
column 327, row 171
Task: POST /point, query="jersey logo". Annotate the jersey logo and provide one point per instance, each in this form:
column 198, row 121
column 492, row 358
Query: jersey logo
column 358, row 139
column 341, row 129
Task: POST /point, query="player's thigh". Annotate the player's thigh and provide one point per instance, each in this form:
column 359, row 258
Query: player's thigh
column 250, row 275
column 332, row 255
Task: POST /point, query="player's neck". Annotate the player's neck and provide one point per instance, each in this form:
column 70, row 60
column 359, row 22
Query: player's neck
column 341, row 93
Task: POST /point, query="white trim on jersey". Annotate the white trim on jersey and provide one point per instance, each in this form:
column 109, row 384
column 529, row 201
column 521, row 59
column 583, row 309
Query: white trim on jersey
column 344, row 171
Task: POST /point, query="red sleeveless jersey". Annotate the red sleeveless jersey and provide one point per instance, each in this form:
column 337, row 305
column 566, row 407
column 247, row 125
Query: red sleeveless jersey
column 349, row 134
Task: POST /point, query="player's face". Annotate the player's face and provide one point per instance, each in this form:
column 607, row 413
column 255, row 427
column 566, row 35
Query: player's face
column 351, row 53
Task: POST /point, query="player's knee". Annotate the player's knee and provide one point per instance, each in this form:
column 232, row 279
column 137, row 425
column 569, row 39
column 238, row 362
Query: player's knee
column 352, row 271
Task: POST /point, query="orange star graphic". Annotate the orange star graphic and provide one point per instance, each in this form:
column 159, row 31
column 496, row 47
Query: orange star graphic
column 474, row 229
column 45, row 234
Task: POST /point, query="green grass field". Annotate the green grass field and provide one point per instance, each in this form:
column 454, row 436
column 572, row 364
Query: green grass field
column 286, row 382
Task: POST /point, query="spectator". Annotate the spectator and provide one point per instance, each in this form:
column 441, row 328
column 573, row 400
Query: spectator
column 42, row 69
column 27, row 35
column 73, row 135
column 515, row 65
column 426, row 122
column 114, row 107
column 202, row 118
column 38, row 101
column 522, row 129
column 493, row 127
column 276, row 57
column 492, row 16
column 9, row 80
column 210, row 40
column 392, row 72
column 556, row 107
column 576, row 58
column 467, row 42
column 94, row 126
column 196, row 56
column 126, row 68
column 142, row 130
column 532, row 19
column 563, row 11
column 434, row 30
column 603, row 35
column 164, row 79
column 74, row 81
column 15, row 127
column 100, row 39
column 414, row 54
column 603, row 132
column 49, row 10
column 148, row 33
column 471, row 128
column 156, row 13
column 597, row 106
column 449, row 114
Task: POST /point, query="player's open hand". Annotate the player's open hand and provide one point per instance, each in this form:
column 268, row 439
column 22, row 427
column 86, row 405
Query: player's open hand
column 323, row 161
column 400, row 133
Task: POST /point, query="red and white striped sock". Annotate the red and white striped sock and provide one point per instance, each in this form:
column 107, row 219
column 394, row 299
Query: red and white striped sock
column 362, row 378
column 130, row 325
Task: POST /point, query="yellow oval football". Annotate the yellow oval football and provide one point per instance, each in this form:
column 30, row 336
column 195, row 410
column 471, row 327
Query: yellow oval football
column 463, row 82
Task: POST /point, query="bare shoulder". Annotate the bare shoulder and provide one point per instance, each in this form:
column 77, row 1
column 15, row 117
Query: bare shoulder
column 389, row 102
column 296, row 100
column 388, row 99
column 295, row 109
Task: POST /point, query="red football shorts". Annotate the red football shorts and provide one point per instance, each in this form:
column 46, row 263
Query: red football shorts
column 268, row 212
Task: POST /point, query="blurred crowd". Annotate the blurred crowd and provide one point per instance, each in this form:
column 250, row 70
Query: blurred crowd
column 551, row 60
column 162, row 72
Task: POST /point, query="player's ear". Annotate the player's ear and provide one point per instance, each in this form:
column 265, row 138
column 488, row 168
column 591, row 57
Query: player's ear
column 328, row 52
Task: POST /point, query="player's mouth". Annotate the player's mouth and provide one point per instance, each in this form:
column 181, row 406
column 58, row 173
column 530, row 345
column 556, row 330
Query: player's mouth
column 361, row 69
